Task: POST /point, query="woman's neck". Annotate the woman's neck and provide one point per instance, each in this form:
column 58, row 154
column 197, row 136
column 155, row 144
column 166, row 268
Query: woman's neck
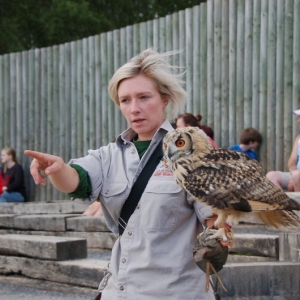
column 10, row 164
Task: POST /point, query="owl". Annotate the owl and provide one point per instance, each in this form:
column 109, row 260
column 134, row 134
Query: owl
column 230, row 182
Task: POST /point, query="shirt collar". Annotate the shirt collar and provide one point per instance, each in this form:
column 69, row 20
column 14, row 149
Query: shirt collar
column 128, row 135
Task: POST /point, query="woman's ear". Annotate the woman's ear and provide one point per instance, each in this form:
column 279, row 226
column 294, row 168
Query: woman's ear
column 165, row 102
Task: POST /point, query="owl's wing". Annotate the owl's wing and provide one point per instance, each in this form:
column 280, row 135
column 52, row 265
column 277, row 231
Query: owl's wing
column 227, row 178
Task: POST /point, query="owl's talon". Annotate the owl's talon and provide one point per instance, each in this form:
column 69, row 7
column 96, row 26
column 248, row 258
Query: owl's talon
column 223, row 235
column 225, row 244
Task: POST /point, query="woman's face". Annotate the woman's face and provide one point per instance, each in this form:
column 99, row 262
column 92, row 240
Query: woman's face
column 5, row 157
column 142, row 105
column 180, row 123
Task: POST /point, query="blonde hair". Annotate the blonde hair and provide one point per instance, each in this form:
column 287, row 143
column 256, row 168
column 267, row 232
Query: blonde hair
column 157, row 67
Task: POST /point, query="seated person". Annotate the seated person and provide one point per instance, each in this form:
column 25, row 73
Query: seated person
column 289, row 181
column 250, row 141
column 188, row 119
column 12, row 178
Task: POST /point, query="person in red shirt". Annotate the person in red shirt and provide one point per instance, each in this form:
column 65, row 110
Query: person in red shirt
column 12, row 177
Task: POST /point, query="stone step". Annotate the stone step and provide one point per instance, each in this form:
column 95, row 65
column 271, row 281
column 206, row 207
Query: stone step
column 54, row 222
column 20, row 281
column 87, row 224
column 263, row 280
column 236, row 258
column 55, row 207
column 79, row 272
column 95, row 240
column 73, row 207
column 246, row 247
column 289, row 246
column 43, row 247
column 94, row 229
column 256, row 245
column 49, row 222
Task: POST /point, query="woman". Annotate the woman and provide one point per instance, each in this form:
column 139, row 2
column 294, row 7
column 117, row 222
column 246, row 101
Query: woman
column 12, row 175
column 153, row 258
column 189, row 119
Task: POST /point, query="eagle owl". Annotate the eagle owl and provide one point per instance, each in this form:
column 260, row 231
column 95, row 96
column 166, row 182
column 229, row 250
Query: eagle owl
column 230, row 182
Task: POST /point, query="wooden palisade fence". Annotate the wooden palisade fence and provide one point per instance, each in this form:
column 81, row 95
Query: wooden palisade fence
column 242, row 61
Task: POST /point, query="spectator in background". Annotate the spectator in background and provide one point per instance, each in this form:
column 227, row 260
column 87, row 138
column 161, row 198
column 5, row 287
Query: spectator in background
column 94, row 209
column 250, row 141
column 188, row 119
column 289, row 181
column 12, row 177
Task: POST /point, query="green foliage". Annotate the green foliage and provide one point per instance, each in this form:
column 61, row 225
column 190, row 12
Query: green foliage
column 27, row 24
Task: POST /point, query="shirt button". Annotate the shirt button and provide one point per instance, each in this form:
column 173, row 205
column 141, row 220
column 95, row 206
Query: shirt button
column 138, row 207
column 132, row 151
column 123, row 260
column 106, row 192
column 129, row 233
column 122, row 288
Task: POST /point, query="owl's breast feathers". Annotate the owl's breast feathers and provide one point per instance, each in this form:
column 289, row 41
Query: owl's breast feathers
column 225, row 178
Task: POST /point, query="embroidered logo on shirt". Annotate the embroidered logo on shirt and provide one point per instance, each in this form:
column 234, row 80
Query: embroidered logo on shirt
column 162, row 170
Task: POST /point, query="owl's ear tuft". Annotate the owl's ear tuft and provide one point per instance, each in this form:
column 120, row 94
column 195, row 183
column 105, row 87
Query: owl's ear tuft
column 191, row 131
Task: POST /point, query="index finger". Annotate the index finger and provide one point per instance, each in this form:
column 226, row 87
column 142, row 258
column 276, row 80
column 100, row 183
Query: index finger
column 35, row 154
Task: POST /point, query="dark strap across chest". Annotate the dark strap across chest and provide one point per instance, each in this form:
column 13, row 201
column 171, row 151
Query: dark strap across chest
column 139, row 187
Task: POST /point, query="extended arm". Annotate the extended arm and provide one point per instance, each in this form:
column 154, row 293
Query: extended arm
column 62, row 176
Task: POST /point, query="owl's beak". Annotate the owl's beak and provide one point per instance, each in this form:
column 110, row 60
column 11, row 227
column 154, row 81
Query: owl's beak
column 170, row 153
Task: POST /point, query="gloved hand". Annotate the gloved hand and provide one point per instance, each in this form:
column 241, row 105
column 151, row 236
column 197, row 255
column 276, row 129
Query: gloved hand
column 209, row 250
column 210, row 255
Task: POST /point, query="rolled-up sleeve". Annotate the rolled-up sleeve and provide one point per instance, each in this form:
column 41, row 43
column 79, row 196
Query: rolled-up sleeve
column 84, row 188
column 92, row 164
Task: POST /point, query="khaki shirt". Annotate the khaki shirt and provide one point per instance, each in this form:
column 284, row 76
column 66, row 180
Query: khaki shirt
column 153, row 258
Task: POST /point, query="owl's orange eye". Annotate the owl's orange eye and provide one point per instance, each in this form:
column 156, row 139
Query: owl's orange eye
column 180, row 143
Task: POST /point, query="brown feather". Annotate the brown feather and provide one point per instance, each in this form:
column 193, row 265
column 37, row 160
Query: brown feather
column 232, row 183
column 279, row 219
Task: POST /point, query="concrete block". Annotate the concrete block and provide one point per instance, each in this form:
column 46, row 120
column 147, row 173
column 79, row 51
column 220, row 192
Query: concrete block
column 248, row 259
column 87, row 224
column 256, row 245
column 43, row 247
column 289, row 247
column 80, row 272
column 56, row 222
column 7, row 208
column 265, row 280
column 64, row 207
column 95, row 240
column 7, row 221
column 255, row 229
column 98, row 240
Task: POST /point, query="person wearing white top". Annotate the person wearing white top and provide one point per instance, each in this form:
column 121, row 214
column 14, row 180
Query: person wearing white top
column 289, row 181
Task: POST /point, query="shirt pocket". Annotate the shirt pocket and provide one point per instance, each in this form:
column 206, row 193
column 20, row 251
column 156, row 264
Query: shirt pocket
column 113, row 195
column 160, row 205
